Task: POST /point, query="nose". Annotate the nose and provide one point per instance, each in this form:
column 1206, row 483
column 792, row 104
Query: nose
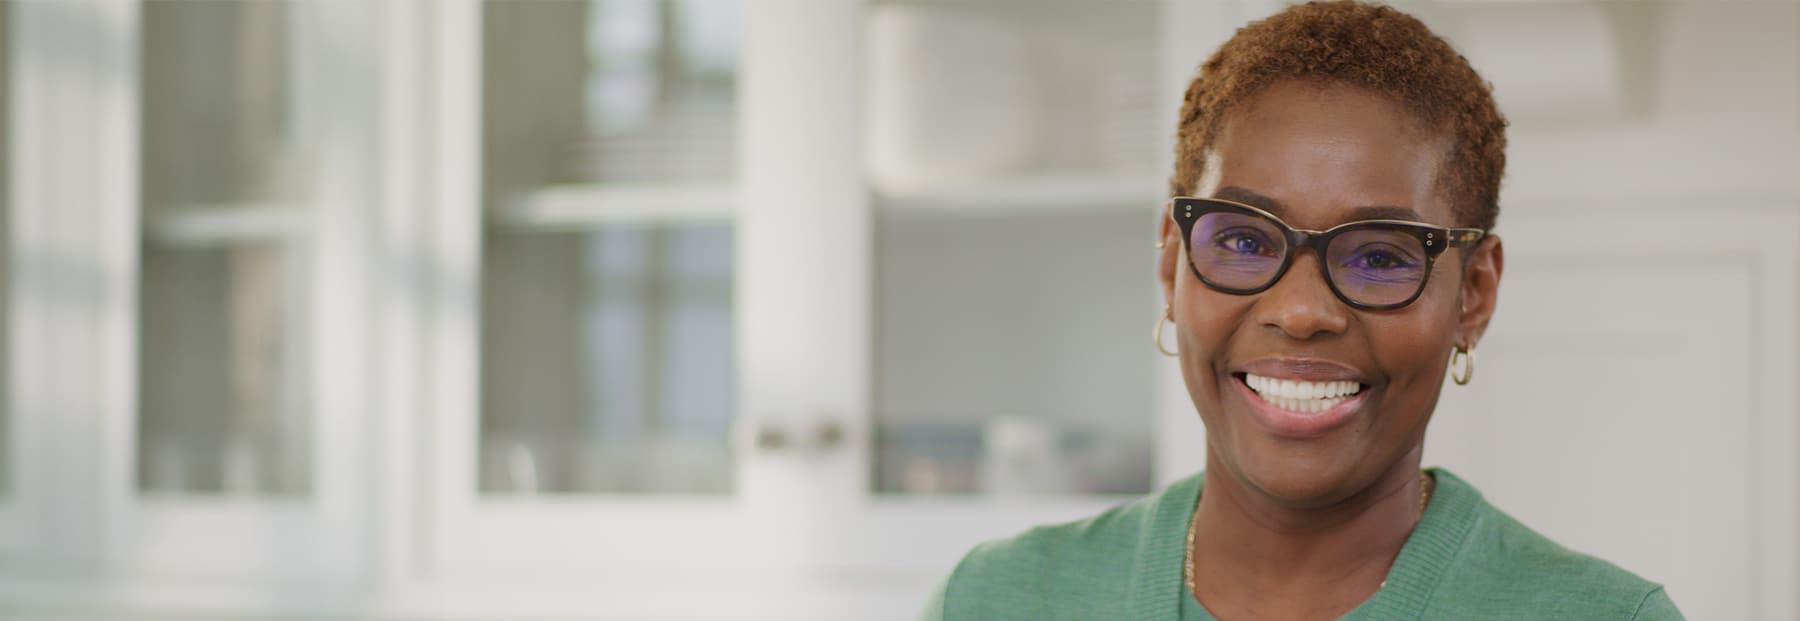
column 1301, row 304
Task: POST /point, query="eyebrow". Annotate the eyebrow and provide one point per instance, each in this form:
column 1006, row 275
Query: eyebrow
column 1367, row 212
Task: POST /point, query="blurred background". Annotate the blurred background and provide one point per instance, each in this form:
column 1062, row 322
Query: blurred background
column 771, row 309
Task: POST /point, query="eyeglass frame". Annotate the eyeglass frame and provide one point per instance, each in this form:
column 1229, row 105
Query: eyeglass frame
column 1193, row 207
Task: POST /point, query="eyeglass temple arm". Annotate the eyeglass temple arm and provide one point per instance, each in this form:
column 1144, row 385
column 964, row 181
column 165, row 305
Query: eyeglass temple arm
column 1463, row 238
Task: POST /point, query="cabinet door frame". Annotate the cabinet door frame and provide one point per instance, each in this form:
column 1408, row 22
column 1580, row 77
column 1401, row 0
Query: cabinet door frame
column 13, row 539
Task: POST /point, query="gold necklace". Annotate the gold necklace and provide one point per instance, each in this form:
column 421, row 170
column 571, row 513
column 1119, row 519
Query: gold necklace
column 1187, row 565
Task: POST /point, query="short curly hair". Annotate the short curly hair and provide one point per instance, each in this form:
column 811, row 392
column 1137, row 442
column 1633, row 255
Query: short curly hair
column 1369, row 46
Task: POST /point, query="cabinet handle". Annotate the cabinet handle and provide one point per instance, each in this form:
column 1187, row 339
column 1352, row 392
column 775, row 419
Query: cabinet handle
column 776, row 435
column 771, row 437
column 828, row 435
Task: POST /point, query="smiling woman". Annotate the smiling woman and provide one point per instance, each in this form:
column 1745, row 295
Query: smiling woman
column 1353, row 134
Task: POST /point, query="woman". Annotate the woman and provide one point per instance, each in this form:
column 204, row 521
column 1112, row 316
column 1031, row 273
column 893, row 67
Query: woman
column 1325, row 260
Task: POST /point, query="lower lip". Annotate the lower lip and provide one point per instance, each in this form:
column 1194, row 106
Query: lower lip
column 1298, row 425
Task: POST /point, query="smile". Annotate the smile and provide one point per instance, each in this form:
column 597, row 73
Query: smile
column 1301, row 396
column 1303, row 409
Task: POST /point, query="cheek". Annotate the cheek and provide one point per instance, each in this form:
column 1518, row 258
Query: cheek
column 1413, row 346
column 1209, row 322
column 1408, row 349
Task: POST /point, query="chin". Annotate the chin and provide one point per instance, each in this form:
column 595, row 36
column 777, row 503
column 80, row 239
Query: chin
column 1302, row 485
column 1305, row 474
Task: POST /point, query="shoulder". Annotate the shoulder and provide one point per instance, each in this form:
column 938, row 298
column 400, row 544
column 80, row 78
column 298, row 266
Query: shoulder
column 1077, row 569
column 1087, row 546
column 1505, row 565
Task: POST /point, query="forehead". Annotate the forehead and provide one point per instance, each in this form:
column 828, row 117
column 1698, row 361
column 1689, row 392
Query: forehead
column 1323, row 153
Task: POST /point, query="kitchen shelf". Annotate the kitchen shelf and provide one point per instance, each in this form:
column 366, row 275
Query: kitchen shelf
column 1031, row 194
column 587, row 205
column 192, row 226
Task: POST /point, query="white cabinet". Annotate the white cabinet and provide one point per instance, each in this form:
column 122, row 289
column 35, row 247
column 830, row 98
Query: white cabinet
column 794, row 363
column 1635, row 398
column 706, row 309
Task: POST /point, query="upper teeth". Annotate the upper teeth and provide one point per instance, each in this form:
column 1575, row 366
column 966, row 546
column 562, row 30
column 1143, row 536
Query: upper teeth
column 1300, row 395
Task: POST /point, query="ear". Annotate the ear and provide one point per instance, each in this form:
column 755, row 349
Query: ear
column 1169, row 237
column 1480, row 290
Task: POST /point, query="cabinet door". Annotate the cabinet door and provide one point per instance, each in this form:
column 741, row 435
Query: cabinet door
column 583, row 370
column 1635, row 400
column 250, row 322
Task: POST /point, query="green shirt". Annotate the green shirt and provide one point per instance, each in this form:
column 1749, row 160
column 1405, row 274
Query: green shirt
column 1464, row 560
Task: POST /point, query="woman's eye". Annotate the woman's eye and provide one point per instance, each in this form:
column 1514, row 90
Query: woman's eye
column 1241, row 242
column 1380, row 260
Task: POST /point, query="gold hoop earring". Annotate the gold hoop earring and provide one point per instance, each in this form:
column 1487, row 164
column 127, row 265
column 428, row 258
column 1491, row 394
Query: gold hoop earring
column 1462, row 366
column 1167, row 315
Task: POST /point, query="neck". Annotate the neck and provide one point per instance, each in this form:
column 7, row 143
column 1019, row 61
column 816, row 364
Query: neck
column 1249, row 544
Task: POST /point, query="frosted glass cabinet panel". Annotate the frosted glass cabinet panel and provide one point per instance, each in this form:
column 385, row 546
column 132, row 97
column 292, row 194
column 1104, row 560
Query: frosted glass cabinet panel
column 607, row 265
column 1007, row 363
column 223, row 185
column 1012, row 147
column 607, row 360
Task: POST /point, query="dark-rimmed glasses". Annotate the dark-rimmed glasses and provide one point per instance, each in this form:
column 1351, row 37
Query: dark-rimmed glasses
column 1369, row 264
